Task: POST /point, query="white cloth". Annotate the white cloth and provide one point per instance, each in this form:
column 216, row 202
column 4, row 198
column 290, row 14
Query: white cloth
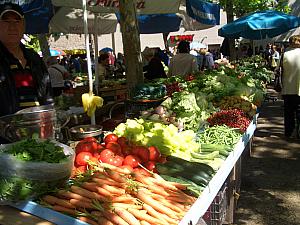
column 182, row 64
column 291, row 72
column 56, row 73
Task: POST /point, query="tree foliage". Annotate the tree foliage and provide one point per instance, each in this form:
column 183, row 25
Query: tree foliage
column 243, row 7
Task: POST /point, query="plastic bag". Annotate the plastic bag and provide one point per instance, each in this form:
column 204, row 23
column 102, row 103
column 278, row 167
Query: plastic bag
column 25, row 180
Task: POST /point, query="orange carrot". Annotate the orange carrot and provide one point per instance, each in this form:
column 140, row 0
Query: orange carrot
column 146, row 217
column 126, row 205
column 127, row 216
column 124, row 198
column 163, row 183
column 87, row 220
column 170, row 220
column 62, row 202
column 108, row 181
column 69, row 195
column 115, row 168
column 179, row 199
column 178, row 185
column 115, row 176
column 114, row 218
column 144, row 222
column 167, row 204
column 62, row 209
column 142, row 195
column 155, row 214
column 104, row 221
column 113, row 189
column 87, row 193
column 95, row 188
column 81, row 204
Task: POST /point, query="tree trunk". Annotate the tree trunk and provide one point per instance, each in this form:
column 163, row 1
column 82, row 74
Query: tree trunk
column 230, row 18
column 131, row 43
column 43, row 40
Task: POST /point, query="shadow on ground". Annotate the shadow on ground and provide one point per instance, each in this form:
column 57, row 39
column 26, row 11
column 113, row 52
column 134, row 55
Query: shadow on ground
column 270, row 191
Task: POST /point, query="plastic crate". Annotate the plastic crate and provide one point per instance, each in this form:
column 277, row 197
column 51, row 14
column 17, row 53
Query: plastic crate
column 216, row 213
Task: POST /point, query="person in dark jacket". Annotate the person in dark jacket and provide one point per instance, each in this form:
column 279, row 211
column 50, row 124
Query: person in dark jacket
column 154, row 69
column 24, row 80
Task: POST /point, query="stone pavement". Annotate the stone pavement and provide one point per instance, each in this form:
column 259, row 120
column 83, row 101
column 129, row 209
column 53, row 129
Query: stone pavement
column 270, row 191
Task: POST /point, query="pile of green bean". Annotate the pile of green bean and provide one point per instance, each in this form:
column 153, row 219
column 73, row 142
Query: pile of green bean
column 222, row 135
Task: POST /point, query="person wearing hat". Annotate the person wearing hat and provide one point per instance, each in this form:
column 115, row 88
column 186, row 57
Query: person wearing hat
column 24, row 80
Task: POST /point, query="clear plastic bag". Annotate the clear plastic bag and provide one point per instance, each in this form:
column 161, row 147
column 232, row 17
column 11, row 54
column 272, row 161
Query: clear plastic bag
column 26, row 180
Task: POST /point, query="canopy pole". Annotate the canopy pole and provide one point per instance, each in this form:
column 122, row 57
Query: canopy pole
column 88, row 53
column 96, row 53
column 113, row 42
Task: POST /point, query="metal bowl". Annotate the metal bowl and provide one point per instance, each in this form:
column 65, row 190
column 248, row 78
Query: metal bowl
column 82, row 131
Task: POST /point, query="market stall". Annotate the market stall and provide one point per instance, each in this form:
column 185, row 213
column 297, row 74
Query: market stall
column 194, row 138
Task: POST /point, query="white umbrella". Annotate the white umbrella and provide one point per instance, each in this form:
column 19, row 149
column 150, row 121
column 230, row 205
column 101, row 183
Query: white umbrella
column 143, row 6
column 69, row 21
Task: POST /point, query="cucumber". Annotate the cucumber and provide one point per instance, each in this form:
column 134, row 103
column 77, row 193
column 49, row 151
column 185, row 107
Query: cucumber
column 198, row 177
column 192, row 165
column 210, row 156
column 188, row 169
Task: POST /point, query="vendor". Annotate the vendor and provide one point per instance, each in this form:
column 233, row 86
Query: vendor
column 24, row 80
column 103, row 63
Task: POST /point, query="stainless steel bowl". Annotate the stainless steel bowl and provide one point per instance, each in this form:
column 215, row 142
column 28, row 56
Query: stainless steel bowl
column 82, row 131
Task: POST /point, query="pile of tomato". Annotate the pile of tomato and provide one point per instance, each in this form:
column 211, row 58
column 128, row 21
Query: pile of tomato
column 117, row 151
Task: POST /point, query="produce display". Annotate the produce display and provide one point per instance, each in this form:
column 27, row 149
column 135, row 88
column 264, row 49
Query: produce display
column 151, row 169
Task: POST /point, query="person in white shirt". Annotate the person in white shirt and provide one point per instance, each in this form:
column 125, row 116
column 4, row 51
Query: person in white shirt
column 291, row 87
column 58, row 74
column 183, row 63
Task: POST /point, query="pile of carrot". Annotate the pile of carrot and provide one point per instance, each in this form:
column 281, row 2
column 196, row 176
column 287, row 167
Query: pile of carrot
column 113, row 195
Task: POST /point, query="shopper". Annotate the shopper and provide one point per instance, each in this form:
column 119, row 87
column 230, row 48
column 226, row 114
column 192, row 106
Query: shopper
column 183, row 63
column 154, row 69
column 206, row 59
column 291, row 87
column 24, row 80
column 103, row 63
column 58, row 74
column 275, row 57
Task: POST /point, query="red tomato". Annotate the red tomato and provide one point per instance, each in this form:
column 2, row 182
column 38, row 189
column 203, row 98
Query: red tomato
column 123, row 142
column 132, row 160
column 82, row 158
column 142, row 172
column 90, row 139
column 114, row 146
column 142, row 152
column 126, row 150
column 150, row 165
column 108, row 156
column 100, row 147
column 162, row 159
column 154, row 153
column 110, row 138
column 86, row 147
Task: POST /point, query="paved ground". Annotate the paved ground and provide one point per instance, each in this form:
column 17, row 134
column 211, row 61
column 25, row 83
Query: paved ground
column 270, row 192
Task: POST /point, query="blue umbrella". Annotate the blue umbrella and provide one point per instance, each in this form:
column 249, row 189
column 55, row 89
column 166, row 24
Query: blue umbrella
column 260, row 25
column 106, row 50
